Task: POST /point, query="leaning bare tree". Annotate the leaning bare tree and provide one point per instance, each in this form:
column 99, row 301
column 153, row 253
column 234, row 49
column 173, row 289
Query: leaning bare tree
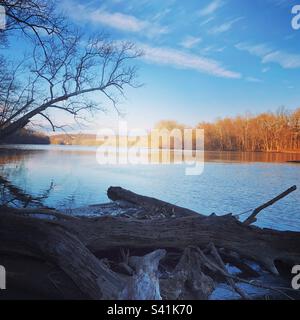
column 64, row 71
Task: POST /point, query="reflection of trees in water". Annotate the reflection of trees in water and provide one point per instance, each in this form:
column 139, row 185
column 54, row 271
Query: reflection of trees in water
column 230, row 156
column 11, row 195
column 14, row 174
column 12, row 164
column 69, row 202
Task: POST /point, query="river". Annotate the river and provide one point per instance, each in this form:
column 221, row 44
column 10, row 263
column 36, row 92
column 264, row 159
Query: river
column 231, row 182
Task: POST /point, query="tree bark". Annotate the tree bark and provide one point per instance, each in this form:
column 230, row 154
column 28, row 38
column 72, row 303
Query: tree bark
column 75, row 244
column 261, row 245
column 50, row 242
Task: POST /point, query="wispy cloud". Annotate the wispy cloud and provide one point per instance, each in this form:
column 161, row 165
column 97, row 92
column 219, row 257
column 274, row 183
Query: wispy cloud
column 280, row 3
column 183, row 60
column 286, row 60
column 259, row 50
column 190, row 42
column 115, row 20
column 206, row 21
column 211, row 7
column 224, row 27
column 212, row 49
column 268, row 55
column 253, row 79
column 264, row 70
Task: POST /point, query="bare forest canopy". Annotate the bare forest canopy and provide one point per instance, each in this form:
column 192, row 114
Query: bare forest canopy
column 279, row 131
column 271, row 131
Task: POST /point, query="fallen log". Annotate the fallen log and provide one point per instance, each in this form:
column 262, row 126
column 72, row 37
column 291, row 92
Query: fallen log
column 155, row 207
column 75, row 245
column 112, row 233
column 261, row 245
column 48, row 241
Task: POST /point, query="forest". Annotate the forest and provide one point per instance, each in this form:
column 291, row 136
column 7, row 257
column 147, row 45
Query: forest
column 266, row 132
column 272, row 131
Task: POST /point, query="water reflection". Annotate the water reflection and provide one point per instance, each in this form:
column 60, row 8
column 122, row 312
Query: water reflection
column 11, row 152
column 231, row 182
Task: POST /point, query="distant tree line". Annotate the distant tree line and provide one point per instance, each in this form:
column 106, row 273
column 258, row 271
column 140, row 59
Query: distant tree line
column 25, row 136
column 74, row 139
column 270, row 131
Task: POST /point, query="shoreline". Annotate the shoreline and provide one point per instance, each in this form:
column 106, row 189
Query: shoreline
column 5, row 145
column 104, row 237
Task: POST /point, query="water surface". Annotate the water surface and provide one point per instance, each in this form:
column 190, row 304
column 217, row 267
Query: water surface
column 231, row 182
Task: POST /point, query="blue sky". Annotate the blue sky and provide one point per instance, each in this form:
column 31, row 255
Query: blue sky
column 203, row 59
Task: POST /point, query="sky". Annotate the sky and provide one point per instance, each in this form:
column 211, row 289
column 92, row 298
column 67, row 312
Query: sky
column 203, row 59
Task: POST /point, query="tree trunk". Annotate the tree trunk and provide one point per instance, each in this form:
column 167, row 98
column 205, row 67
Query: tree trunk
column 48, row 241
column 261, row 245
column 75, row 244
column 154, row 206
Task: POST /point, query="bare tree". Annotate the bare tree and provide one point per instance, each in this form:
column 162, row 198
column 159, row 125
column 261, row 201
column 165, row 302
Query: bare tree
column 64, row 71
column 68, row 78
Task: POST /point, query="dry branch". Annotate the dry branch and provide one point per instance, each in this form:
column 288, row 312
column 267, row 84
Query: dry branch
column 252, row 218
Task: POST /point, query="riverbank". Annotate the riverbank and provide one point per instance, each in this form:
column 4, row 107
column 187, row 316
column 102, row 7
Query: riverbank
column 182, row 254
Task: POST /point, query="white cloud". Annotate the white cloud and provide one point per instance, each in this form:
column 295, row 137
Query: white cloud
column 180, row 59
column 212, row 49
column 115, row 20
column 256, row 50
column 211, row 7
column 225, row 26
column 268, row 55
column 189, row 42
column 286, row 60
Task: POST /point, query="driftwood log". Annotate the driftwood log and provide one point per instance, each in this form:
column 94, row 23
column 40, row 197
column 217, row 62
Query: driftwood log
column 181, row 252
